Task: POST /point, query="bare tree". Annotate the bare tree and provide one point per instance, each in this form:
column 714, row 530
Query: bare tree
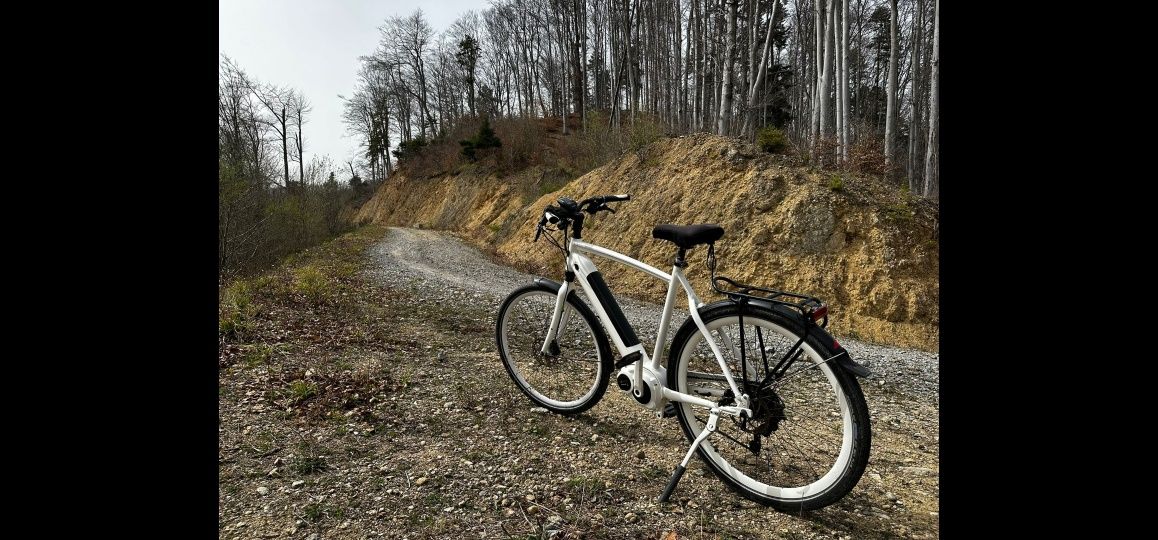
column 299, row 106
column 914, row 98
column 845, row 139
column 765, row 56
column 276, row 101
column 932, row 182
column 724, row 123
column 826, row 70
column 891, row 109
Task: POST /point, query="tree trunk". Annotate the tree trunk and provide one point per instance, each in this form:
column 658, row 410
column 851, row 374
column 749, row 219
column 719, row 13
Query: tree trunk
column 284, row 149
column 932, row 182
column 891, row 105
column 914, row 109
column 825, row 103
column 846, row 131
column 724, row 123
column 817, row 56
column 759, row 78
column 301, row 155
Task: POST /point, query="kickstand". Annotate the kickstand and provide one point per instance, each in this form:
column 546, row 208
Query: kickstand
column 679, row 470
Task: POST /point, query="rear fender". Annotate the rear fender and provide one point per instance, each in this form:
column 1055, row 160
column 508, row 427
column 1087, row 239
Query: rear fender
column 842, row 357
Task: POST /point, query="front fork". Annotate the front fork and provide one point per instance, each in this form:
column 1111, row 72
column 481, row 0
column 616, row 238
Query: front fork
column 558, row 322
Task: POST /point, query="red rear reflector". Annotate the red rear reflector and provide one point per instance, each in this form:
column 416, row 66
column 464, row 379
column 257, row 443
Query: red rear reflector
column 820, row 312
column 835, row 345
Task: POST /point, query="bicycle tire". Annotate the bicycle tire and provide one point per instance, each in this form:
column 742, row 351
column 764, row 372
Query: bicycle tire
column 589, row 355
column 729, row 460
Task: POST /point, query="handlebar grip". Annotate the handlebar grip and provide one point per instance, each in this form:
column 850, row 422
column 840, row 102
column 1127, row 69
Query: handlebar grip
column 613, row 198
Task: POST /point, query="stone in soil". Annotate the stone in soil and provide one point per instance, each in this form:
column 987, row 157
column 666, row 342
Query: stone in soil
column 421, row 481
column 298, row 484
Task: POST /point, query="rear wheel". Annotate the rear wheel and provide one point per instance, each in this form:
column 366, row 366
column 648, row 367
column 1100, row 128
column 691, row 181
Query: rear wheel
column 808, row 441
column 572, row 376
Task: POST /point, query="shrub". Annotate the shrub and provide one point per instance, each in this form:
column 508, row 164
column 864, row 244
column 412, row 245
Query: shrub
column 867, row 156
column 644, row 132
column 523, row 141
column 485, row 138
column 236, row 310
column 311, row 282
column 410, row 148
column 836, row 183
column 772, row 140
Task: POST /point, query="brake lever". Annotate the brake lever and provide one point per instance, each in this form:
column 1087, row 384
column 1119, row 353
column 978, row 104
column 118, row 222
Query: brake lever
column 539, row 228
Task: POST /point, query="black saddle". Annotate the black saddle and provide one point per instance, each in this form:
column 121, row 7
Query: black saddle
column 686, row 236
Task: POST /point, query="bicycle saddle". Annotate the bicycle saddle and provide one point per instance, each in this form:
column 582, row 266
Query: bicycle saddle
column 686, row 236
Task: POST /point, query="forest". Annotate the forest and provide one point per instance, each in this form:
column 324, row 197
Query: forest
column 271, row 202
column 842, row 84
column 848, row 83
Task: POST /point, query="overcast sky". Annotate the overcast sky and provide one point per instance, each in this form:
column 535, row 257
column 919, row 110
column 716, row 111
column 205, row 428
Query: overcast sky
column 313, row 46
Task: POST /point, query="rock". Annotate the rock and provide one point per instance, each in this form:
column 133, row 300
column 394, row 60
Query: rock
column 554, row 520
column 875, row 476
column 530, row 498
column 263, row 491
column 313, row 536
column 508, row 512
column 421, row 481
column 640, row 455
column 631, row 517
column 533, row 510
column 448, row 509
column 891, row 496
column 297, row 484
column 594, row 437
column 273, row 472
column 540, row 410
column 441, row 356
column 918, row 471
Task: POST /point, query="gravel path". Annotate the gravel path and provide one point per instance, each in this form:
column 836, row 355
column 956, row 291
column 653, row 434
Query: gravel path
column 378, row 408
column 442, row 268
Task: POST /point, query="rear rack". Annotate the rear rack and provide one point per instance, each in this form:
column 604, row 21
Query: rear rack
column 811, row 307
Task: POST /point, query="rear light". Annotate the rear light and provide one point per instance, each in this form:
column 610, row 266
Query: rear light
column 820, row 312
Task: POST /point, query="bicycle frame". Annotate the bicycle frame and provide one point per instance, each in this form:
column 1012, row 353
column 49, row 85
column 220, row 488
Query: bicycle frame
column 611, row 318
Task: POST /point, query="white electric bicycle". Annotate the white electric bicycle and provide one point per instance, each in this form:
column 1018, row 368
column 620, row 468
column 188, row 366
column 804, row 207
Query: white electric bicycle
column 795, row 434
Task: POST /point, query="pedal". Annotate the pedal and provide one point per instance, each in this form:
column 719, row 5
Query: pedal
column 626, row 360
column 669, row 410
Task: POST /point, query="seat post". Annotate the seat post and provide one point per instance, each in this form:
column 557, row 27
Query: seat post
column 679, row 260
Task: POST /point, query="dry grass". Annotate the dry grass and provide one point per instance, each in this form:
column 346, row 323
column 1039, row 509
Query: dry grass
column 352, row 427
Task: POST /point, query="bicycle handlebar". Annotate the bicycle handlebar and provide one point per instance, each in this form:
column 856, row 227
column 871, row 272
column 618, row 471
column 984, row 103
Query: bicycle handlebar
column 568, row 210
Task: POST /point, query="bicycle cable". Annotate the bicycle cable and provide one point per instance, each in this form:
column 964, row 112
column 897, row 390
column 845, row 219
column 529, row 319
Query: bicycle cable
column 551, row 237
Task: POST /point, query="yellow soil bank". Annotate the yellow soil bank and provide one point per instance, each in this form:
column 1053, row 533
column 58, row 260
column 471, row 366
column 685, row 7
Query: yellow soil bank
column 867, row 249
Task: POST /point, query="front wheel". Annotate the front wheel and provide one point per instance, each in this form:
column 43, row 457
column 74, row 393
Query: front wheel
column 571, row 376
column 807, row 444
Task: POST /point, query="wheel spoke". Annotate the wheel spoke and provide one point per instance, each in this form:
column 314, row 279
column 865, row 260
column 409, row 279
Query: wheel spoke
column 807, row 402
column 572, row 375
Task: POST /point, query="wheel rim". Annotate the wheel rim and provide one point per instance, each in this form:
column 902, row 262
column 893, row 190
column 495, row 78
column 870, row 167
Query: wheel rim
column 812, row 445
column 566, row 380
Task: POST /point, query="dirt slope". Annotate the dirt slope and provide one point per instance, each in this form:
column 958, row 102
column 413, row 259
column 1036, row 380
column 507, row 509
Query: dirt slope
column 867, row 249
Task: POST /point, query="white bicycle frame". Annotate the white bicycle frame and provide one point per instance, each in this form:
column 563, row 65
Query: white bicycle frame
column 582, row 265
